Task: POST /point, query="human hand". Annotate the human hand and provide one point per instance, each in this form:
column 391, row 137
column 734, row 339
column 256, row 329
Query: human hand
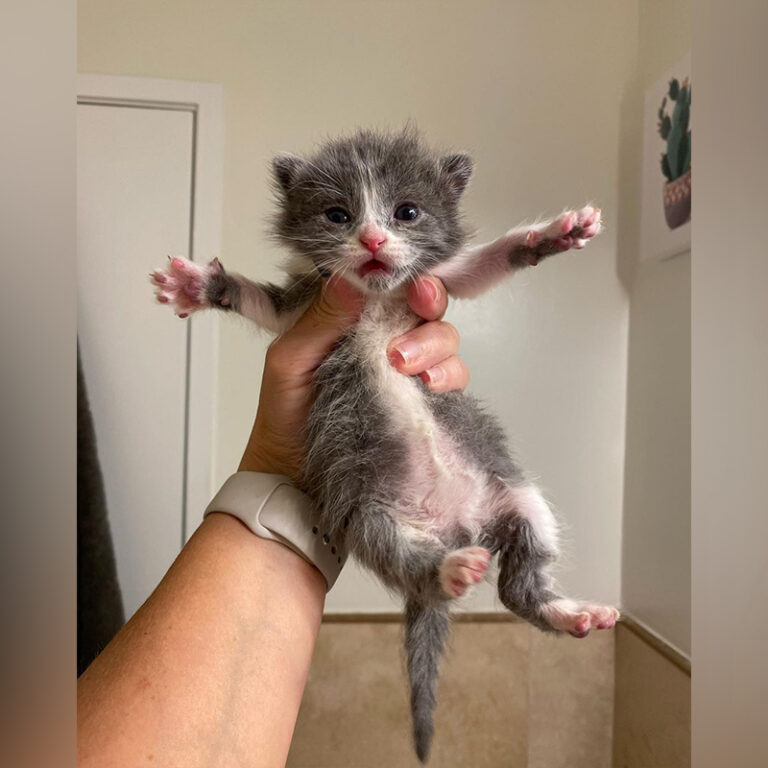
column 429, row 351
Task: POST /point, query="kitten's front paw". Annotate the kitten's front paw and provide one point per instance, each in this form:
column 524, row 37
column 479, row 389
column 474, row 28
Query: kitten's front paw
column 571, row 229
column 463, row 568
column 187, row 286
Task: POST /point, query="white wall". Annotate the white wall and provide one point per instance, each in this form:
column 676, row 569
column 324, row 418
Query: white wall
column 533, row 91
column 656, row 563
column 730, row 381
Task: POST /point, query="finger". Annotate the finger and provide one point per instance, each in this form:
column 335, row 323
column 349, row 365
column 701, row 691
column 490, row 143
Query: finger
column 423, row 347
column 428, row 298
column 305, row 345
column 450, row 375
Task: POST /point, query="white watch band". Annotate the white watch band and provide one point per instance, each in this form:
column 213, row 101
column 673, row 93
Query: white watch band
column 273, row 508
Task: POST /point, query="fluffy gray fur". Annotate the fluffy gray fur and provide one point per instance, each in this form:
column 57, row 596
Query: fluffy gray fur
column 360, row 451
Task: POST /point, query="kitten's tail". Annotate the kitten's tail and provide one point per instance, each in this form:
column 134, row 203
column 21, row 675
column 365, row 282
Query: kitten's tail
column 426, row 628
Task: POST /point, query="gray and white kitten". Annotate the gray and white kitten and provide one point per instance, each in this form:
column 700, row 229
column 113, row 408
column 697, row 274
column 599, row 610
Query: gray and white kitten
column 419, row 486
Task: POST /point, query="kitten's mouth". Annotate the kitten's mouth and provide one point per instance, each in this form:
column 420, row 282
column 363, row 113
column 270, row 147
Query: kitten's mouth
column 373, row 267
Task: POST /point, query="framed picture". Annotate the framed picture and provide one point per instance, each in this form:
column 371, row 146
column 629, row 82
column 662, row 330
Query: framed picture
column 666, row 203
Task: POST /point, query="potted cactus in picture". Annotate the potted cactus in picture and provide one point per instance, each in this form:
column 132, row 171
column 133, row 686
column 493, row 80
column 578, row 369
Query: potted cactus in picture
column 675, row 130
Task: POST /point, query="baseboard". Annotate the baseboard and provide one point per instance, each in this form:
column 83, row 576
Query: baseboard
column 647, row 635
column 671, row 652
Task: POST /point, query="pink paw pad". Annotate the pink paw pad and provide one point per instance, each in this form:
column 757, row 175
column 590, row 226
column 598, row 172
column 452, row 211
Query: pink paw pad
column 588, row 216
column 610, row 624
column 568, row 222
column 580, row 624
column 588, row 222
column 462, row 569
column 577, row 619
column 574, row 228
column 603, row 616
column 183, row 284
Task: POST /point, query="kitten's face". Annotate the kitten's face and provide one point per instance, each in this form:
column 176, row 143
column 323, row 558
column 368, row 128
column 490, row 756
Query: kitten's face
column 378, row 209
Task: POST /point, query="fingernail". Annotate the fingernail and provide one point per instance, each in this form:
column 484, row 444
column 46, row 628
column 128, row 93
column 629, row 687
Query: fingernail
column 409, row 350
column 430, row 289
column 433, row 375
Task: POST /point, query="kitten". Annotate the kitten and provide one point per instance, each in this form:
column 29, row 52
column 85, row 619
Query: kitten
column 420, row 486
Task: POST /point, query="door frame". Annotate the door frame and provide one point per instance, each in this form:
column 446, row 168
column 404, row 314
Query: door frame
column 205, row 103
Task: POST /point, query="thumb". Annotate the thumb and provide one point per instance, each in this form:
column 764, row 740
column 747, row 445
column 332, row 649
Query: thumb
column 337, row 308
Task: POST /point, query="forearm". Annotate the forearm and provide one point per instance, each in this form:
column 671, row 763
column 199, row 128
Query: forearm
column 480, row 267
column 274, row 308
column 211, row 670
column 189, row 287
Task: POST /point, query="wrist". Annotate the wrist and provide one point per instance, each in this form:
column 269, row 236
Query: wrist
column 273, row 508
column 255, row 460
column 272, row 460
column 269, row 557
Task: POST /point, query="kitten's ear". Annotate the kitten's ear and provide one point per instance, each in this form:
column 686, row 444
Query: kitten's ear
column 285, row 169
column 456, row 170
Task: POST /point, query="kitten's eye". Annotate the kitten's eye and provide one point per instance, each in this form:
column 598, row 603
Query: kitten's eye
column 337, row 215
column 406, row 212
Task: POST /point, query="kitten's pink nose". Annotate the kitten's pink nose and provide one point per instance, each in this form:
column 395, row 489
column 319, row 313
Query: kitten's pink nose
column 372, row 238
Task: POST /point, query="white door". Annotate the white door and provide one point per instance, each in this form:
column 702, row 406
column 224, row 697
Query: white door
column 137, row 203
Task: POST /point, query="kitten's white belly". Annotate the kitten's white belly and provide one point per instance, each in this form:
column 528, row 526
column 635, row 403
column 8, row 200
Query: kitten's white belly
column 442, row 488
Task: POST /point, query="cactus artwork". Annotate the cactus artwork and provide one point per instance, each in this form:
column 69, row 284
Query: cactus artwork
column 676, row 162
column 667, row 158
column 674, row 119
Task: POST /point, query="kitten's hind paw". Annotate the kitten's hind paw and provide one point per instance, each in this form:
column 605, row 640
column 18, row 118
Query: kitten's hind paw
column 187, row 286
column 463, row 568
column 578, row 619
column 571, row 229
